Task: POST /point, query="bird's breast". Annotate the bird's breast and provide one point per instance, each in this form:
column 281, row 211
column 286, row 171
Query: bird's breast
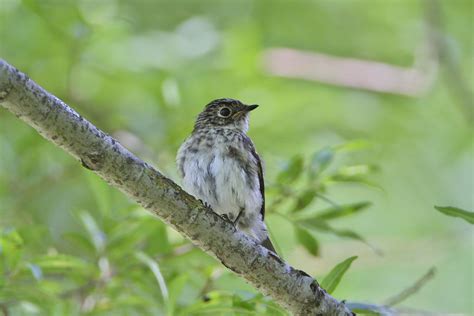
column 221, row 173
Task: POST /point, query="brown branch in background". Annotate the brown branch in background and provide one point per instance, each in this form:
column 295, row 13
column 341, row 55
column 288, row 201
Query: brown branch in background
column 346, row 72
column 415, row 287
column 382, row 77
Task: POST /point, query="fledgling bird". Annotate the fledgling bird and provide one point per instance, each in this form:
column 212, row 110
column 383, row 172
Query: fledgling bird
column 219, row 166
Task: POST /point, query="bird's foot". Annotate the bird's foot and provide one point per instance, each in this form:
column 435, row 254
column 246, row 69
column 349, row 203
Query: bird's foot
column 227, row 218
column 206, row 205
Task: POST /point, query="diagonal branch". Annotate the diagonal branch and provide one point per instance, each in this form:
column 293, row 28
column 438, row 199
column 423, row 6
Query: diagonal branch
column 54, row 120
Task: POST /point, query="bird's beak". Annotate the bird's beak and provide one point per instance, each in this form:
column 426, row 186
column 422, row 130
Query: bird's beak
column 249, row 108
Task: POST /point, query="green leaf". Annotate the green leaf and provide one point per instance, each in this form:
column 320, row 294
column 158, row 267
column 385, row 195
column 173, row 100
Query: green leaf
column 60, row 261
column 354, row 173
column 321, row 225
column 12, row 236
column 314, row 224
column 155, row 268
column 176, row 288
column 24, row 291
column 292, row 170
column 307, row 240
column 456, row 212
column 11, row 250
column 355, row 179
column 97, row 236
column 342, row 210
column 324, row 226
column 357, row 170
column 304, row 199
column 241, row 303
column 331, row 281
column 321, row 160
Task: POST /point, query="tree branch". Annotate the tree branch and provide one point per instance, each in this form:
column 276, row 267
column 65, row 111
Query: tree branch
column 54, row 120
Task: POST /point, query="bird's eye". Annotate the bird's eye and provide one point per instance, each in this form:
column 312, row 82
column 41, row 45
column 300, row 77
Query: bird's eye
column 224, row 112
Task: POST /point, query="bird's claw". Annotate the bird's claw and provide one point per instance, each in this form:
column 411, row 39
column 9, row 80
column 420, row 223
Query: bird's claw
column 227, row 219
column 206, row 205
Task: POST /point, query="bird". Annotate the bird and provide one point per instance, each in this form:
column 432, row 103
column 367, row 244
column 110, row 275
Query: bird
column 219, row 165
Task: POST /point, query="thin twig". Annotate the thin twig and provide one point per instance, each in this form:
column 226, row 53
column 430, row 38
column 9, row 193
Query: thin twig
column 415, row 287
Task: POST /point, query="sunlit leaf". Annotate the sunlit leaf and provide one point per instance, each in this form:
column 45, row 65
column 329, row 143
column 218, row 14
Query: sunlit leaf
column 338, row 177
column 304, row 199
column 357, row 170
column 292, row 170
column 241, row 303
column 307, row 240
column 342, row 210
column 12, row 236
column 355, row 145
column 11, row 249
column 456, row 212
column 331, row 281
column 60, row 263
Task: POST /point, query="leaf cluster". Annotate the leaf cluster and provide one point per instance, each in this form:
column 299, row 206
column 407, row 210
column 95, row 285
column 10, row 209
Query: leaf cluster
column 300, row 194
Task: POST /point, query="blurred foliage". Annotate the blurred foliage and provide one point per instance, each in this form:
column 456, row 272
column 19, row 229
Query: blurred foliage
column 142, row 70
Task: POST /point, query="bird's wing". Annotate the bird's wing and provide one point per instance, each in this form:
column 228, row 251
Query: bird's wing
column 261, row 181
column 250, row 147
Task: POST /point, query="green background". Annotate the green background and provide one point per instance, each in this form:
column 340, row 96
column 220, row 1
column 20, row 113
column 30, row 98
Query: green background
column 142, row 71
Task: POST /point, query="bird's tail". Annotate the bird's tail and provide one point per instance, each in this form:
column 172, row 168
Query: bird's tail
column 268, row 244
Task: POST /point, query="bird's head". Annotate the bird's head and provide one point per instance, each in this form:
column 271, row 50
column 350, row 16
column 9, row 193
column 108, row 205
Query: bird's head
column 225, row 113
